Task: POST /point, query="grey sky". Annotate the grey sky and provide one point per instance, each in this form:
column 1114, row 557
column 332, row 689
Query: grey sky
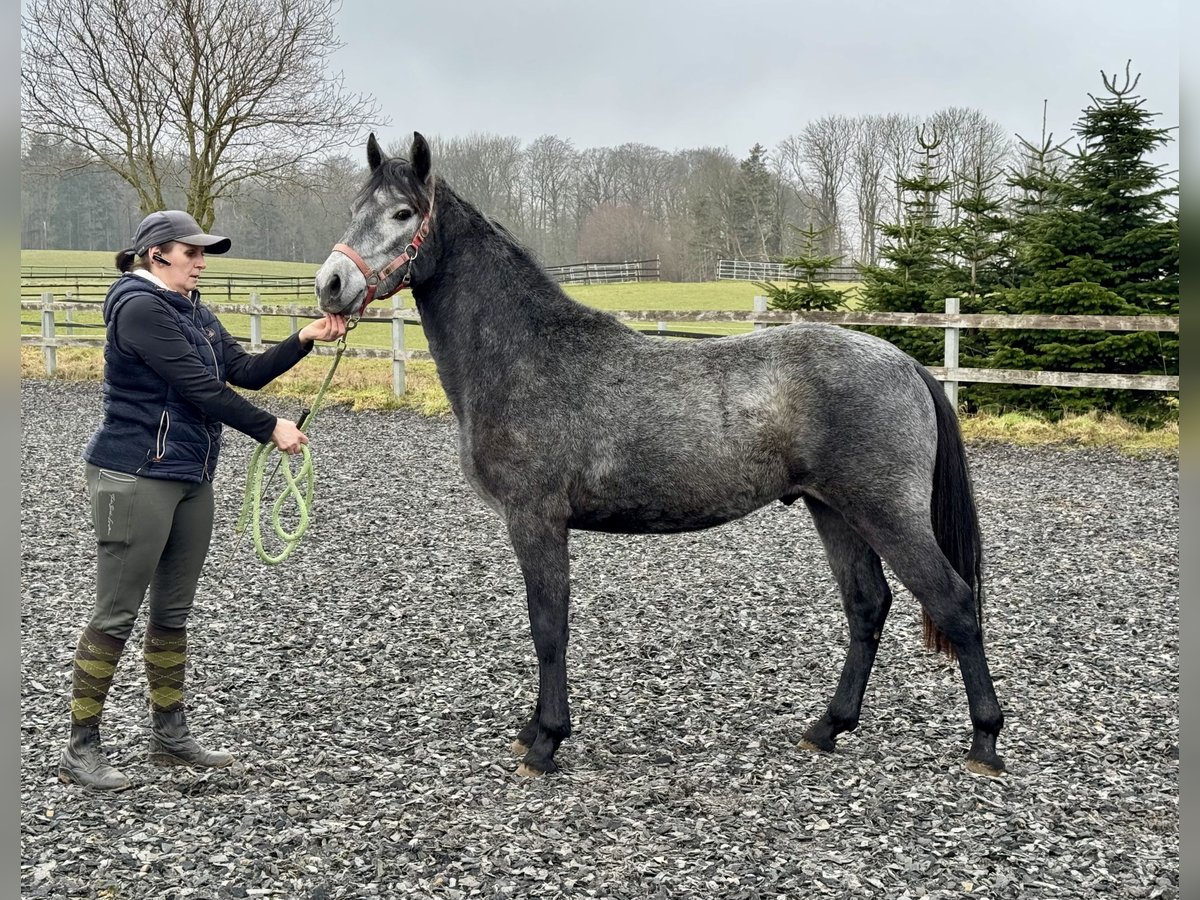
column 679, row 74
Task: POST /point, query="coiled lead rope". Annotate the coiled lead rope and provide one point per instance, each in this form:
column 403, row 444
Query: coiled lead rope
column 301, row 484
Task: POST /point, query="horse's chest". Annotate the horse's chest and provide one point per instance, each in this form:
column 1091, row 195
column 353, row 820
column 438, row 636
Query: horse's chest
column 477, row 476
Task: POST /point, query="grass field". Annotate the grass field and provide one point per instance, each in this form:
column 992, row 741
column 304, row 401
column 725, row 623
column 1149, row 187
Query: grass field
column 367, row 383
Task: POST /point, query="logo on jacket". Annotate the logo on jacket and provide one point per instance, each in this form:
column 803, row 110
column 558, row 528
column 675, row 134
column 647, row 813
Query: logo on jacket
column 211, row 332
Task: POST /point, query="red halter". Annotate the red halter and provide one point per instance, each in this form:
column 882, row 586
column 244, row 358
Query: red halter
column 374, row 278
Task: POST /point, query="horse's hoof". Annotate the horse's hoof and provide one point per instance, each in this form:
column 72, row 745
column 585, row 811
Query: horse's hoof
column 978, row 767
column 518, row 748
column 806, row 744
column 527, row 771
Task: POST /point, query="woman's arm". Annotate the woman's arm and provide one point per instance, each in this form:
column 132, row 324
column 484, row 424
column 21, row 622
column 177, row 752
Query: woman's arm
column 256, row 370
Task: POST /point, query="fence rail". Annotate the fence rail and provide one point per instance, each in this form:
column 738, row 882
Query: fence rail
column 749, row 270
column 92, row 283
column 605, row 273
column 951, row 322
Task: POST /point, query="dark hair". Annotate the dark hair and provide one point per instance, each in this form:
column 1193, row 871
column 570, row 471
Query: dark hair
column 128, row 260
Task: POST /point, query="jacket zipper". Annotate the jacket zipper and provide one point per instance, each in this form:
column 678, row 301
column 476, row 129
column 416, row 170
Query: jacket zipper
column 160, row 439
column 217, row 370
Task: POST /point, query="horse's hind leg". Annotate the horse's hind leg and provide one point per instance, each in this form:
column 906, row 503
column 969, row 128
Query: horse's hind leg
column 866, row 599
column 541, row 549
column 908, row 545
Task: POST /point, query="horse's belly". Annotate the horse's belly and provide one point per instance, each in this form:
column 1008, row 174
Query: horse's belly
column 664, row 514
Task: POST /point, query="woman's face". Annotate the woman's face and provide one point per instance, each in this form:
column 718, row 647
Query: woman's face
column 184, row 265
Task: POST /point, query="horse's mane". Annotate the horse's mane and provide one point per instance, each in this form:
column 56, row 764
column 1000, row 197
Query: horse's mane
column 514, row 244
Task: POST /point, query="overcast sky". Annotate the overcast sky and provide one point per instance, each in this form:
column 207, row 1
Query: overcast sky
column 680, row 74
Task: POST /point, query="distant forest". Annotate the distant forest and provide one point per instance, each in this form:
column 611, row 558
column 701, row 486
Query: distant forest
column 840, row 176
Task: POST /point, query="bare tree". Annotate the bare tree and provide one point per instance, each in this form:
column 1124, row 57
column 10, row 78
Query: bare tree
column 868, row 165
column 973, row 147
column 486, row 169
column 597, row 182
column 712, row 207
column 550, row 174
column 898, row 131
column 193, row 94
column 817, row 162
column 620, row 232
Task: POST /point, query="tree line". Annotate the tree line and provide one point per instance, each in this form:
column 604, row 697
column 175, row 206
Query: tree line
column 601, row 204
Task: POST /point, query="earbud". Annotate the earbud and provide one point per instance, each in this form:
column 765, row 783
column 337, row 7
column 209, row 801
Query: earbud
column 158, row 258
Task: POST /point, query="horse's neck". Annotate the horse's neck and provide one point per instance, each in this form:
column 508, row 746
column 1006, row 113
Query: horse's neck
column 488, row 309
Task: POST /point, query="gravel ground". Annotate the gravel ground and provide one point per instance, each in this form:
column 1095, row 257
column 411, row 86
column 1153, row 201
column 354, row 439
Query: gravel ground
column 371, row 684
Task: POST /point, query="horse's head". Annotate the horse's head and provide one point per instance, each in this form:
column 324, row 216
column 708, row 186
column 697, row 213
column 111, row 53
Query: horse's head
column 388, row 222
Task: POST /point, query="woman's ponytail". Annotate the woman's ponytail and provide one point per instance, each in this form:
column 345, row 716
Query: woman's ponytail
column 125, row 260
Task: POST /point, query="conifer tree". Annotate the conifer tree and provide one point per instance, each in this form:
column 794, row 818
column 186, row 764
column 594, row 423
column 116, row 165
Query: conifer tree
column 979, row 265
column 806, row 289
column 754, row 208
column 1104, row 241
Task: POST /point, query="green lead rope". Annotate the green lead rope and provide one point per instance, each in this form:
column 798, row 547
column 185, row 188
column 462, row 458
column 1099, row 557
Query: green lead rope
column 300, row 486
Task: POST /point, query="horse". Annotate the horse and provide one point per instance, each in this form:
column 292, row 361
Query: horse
column 569, row 419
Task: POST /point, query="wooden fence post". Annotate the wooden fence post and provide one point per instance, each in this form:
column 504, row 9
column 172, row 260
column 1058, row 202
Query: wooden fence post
column 48, row 351
column 399, row 380
column 951, row 356
column 760, row 306
column 256, row 343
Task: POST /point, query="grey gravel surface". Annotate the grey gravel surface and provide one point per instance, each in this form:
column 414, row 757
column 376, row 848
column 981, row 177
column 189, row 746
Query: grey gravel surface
column 370, row 687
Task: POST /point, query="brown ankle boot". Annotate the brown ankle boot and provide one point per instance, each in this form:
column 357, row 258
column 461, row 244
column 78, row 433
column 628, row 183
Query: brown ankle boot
column 171, row 744
column 83, row 762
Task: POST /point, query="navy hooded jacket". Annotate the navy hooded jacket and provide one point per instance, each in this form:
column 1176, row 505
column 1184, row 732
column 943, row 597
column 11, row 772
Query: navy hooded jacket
column 168, row 364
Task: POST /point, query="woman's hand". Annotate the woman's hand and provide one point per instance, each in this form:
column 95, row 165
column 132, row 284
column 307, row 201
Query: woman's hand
column 330, row 328
column 287, row 436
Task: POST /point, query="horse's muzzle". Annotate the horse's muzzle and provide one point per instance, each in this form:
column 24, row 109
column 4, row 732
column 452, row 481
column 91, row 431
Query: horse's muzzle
column 339, row 286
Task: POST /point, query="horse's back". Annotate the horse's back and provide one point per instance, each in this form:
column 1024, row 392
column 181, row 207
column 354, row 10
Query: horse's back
column 679, row 436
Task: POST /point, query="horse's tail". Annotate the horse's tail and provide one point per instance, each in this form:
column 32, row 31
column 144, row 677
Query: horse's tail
column 952, row 510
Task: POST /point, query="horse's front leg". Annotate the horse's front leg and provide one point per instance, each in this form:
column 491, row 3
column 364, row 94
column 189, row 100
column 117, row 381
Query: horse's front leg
column 541, row 548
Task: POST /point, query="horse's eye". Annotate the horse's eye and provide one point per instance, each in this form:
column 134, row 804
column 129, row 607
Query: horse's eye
column 403, row 215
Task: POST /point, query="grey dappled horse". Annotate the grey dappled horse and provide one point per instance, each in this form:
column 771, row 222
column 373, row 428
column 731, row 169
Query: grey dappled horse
column 569, row 419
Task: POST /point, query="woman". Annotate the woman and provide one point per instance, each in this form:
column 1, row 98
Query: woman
column 168, row 364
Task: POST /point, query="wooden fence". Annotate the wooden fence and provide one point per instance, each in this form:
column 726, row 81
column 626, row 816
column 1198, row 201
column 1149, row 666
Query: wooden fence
column 605, row 273
column 748, row 270
column 951, row 322
column 83, row 282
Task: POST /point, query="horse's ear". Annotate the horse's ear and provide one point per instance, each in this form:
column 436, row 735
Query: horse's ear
column 375, row 156
column 421, row 158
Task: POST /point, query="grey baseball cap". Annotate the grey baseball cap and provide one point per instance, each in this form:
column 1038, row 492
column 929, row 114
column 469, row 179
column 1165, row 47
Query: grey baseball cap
column 175, row 225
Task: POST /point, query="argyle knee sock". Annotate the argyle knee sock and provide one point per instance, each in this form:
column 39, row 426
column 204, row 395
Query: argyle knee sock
column 166, row 659
column 96, row 658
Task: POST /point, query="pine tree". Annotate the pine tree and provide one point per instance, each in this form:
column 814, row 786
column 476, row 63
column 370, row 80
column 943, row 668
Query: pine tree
column 1104, row 241
column 980, row 244
column 806, row 289
column 912, row 276
column 754, row 203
